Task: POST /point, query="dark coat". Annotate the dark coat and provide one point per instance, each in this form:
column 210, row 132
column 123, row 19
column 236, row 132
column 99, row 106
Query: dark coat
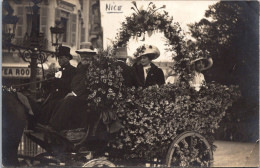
column 154, row 77
column 129, row 75
column 70, row 113
column 62, row 86
column 78, row 85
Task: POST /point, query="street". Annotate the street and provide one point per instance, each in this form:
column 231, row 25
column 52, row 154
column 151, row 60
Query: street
column 236, row 154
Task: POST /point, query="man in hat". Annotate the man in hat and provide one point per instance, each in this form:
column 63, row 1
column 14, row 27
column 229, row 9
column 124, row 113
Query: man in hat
column 129, row 74
column 147, row 72
column 64, row 77
column 71, row 111
column 61, row 84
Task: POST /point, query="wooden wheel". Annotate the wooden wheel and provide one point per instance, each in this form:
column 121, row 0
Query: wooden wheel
column 101, row 162
column 189, row 149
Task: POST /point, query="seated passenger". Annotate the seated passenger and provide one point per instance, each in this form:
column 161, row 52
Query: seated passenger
column 147, row 72
column 59, row 86
column 71, row 112
column 129, row 74
column 196, row 66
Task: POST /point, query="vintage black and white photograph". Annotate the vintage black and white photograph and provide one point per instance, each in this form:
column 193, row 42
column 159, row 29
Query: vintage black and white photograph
column 122, row 83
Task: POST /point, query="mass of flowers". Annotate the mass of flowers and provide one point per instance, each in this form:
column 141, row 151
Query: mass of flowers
column 149, row 21
column 104, row 82
column 153, row 117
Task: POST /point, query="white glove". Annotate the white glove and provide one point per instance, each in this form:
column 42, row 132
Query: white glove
column 58, row 74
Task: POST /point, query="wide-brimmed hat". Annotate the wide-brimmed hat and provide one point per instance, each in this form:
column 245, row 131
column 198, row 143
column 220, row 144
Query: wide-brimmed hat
column 208, row 62
column 86, row 48
column 64, row 51
column 149, row 49
column 121, row 53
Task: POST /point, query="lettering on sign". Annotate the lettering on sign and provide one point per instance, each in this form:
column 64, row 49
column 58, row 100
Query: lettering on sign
column 113, row 8
column 16, row 72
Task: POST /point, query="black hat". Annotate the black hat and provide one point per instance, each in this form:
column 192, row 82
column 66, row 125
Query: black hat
column 64, row 51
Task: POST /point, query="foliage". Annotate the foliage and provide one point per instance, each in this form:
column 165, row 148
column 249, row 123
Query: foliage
column 229, row 33
column 8, row 89
column 148, row 21
column 153, row 117
column 104, row 82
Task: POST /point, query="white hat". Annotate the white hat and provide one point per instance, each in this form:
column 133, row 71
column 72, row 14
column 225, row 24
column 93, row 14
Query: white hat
column 86, row 48
column 209, row 62
column 150, row 49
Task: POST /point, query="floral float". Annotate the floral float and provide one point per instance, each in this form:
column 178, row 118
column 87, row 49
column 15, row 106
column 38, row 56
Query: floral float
column 153, row 117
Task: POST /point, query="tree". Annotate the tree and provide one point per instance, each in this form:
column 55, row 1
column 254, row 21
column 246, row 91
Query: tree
column 230, row 34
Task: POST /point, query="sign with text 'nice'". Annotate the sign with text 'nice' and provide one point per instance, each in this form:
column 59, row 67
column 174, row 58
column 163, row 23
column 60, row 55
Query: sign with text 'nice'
column 13, row 72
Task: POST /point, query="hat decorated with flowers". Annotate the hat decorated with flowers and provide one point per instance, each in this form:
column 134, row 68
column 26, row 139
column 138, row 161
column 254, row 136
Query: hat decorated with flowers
column 147, row 50
column 208, row 62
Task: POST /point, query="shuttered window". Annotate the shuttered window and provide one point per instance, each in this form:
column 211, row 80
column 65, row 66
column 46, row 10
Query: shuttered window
column 43, row 20
column 64, row 24
column 20, row 15
column 57, row 15
column 82, row 34
column 73, row 23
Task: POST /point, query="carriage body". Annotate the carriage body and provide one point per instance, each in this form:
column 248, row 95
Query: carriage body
column 187, row 144
column 73, row 150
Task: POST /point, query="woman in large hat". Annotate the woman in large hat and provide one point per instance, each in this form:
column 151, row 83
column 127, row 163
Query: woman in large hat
column 197, row 66
column 147, row 72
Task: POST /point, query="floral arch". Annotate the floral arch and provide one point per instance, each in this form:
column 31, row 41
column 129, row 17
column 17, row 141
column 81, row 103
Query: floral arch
column 148, row 21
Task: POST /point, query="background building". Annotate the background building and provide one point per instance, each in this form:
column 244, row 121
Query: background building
column 80, row 19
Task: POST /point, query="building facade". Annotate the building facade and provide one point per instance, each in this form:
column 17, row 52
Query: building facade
column 81, row 22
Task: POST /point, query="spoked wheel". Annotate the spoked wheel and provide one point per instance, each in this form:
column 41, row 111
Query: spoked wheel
column 101, row 162
column 189, row 149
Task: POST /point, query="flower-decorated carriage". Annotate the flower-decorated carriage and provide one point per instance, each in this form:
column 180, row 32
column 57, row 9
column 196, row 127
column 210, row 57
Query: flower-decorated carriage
column 168, row 125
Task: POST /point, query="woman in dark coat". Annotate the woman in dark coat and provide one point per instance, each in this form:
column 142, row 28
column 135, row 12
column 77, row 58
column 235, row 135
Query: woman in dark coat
column 147, row 72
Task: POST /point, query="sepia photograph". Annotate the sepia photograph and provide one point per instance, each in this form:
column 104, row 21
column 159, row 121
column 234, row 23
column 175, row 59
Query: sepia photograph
column 123, row 83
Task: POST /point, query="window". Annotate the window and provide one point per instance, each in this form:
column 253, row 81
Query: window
column 82, row 34
column 29, row 22
column 64, row 23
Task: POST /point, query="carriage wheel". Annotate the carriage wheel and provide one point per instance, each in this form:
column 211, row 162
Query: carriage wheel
column 101, row 162
column 189, row 149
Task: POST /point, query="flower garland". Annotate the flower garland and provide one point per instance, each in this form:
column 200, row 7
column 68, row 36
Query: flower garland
column 104, row 82
column 153, row 117
column 150, row 20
